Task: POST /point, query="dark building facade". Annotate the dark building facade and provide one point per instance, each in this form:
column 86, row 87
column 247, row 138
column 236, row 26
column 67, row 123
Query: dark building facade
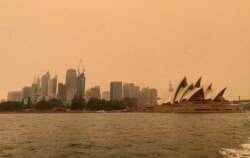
column 61, row 94
column 80, row 85
column 116, row 90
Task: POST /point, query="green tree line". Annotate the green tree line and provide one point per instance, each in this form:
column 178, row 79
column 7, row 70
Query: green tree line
column 77, row 104
column 95, row 104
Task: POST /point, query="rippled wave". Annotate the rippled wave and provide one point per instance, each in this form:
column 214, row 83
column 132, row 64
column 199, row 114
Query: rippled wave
column 125, row 135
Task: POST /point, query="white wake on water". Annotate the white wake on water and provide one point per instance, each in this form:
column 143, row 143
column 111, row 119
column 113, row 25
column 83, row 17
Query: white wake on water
column 242, row 152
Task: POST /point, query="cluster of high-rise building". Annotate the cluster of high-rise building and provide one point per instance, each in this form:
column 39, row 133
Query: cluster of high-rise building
column 140, row 97
column 40, row 88
column 74, row 86
column 47, row 88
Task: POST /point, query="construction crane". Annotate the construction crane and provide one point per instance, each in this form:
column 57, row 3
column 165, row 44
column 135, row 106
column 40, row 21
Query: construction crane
column 80, row 67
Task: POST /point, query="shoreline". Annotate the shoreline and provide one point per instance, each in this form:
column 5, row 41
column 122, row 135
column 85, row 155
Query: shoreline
column 78, row 112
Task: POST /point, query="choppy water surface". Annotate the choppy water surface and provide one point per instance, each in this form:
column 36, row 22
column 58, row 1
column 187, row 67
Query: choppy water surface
column 125, row 135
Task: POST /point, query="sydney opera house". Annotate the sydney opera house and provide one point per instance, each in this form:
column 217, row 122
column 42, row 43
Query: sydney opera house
column 195, row 92
column 195, row 97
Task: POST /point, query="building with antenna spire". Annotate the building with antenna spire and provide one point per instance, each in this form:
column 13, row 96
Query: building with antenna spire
column 81, row 85
column 80, row 81
column 171, row 89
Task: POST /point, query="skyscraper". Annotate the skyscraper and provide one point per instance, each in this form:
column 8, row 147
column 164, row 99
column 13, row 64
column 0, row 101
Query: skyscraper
column 146, row 93
column 150, row 96
column 116, row 90
column 70, row 79
column 70, row 84
column 14, row 96
column 25, row 93
column 35, row 89
column 44, row 84
column 128, row 90
column 61, row 94
column 153, row 96
column 88, row 94
column 106, row 95
column 141, row 99
column 52, row 86
column 93, row 92
column 137, row 91
column 80, row 85
column 34, row 92
column 96, row 92
column 70, row 94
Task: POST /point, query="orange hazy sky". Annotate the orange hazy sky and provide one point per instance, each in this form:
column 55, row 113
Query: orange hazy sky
column 147, row 42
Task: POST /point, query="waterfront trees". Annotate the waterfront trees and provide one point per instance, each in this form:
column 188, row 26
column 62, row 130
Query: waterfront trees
column 100, row 104
column 11, row 106
column 49, row 105
column 78, row 103
column 116, row 105
column 95, row 104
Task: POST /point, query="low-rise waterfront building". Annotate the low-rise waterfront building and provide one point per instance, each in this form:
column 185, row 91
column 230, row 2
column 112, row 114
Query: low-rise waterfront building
column 14, row 96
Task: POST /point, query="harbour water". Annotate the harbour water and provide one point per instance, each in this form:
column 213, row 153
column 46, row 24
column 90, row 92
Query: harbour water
column 125, row 135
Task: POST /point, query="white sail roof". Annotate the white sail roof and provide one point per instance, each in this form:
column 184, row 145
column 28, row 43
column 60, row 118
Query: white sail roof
column 187, row 92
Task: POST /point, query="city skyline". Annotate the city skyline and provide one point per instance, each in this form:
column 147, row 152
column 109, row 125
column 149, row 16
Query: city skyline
column 124, row 78
column 144, row 42
column 74, row 85
column 63, row 80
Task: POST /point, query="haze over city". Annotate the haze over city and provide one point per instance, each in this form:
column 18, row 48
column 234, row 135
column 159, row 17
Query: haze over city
column 125, row 78
column 149, row 43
